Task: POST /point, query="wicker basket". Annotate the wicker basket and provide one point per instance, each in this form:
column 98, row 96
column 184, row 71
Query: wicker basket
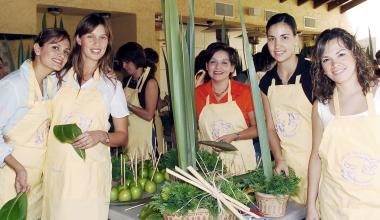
column 200, row 214
column 270, row 205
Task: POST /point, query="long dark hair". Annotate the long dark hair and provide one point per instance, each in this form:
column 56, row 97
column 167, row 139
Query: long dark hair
column 323, row 87
column 285, row 18
column 54, row 34
column 134, row 52
column 85, row 26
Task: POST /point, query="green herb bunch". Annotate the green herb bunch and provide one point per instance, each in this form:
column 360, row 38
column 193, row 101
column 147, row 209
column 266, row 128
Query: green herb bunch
column 180, row 198
column 169, row 160
column 207, row 161
column 279, row 185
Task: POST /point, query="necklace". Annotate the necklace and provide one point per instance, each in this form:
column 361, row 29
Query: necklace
column 219, row 93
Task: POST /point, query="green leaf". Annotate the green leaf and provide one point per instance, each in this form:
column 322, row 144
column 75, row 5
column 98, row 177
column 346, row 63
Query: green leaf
column 55, row 21
column 20, row 54
column 220, row 145
column 43, row 23
column 256, row 96
column 67, row 133
column 15, row 209
column 61, row 24
column 27, row 54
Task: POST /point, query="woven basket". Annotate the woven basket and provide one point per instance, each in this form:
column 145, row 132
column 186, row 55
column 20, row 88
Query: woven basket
column 270, row 205
column 200, row 214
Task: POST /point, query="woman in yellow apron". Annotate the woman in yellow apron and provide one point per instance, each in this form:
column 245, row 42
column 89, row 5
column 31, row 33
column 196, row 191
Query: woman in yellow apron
column 286, row 94
column 344, row 169
column 142, row 93
column 225, row 111
column 75, row 188
column 25, row 119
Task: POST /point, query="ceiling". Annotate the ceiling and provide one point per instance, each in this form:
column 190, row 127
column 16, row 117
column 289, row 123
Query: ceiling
column 344, row 5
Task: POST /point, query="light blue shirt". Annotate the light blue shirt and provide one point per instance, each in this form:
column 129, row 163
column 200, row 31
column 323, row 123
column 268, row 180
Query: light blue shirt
column 14, row 94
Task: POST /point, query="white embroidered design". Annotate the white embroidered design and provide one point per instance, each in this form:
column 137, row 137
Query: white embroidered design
column 78, row 118
column 359, row 168
column 40, row 136
column 286, row 123
column 220, row 128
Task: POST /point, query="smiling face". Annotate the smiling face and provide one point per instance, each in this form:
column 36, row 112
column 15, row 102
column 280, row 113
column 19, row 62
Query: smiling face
column 219, row 67
column 281, row 41
column 338, row 62
column 93, row 44
column 53, row 54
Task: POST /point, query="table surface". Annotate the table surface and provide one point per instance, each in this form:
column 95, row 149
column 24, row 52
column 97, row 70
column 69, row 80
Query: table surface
column 294, row 211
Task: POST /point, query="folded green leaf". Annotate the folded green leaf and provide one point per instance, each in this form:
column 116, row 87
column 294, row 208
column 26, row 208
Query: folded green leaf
column 15, row 209
column 220, row 145
column 67, row 133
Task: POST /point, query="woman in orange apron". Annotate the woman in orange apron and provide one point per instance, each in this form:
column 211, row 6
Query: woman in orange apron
column 75, row 188
column 225, row 111
column 344, row 169
column 287, row 100
column 142, row 93
column 25, row 119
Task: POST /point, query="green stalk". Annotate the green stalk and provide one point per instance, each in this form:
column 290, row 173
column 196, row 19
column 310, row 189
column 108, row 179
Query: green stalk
column 175, row 61
column 20, row 54
column 27, row 54
column 370, row 47
column 55, row 22
column 43, row 24
column 256, row 96
column 9, row 51
column 61, row 26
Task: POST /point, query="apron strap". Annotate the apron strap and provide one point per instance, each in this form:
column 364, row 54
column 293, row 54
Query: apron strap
column 336, row 102
column 298, row 79
column 34, row 88
column 142, row 79
column 273, row 82
column 229, row 95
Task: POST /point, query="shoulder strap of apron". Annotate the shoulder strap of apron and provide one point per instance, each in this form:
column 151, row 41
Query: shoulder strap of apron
column 298, row 79
column 273, row 82
column 33, row 87
column 142, row 79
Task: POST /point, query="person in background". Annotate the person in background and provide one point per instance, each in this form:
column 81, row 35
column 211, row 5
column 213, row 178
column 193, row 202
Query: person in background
column 344, row 171
column 225, row 111
column 263, row 61
column 25, row 119
column 200, row 68
column 3, row 71
column 77, row 188
column 287, row 99
column 142, row 93
column 377, row 66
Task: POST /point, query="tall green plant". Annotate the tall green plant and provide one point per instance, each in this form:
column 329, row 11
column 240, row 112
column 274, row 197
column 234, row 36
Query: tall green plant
column 370, row 47
column 224, row 38
column 20, row 57
column 181, row 81
column 27, row 54
column 61, row 24
column 43, row 23
column 256, row 95
column 9, row 52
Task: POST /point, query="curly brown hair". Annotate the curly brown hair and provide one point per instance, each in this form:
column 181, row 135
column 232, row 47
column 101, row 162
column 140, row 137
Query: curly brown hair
column 323, row 86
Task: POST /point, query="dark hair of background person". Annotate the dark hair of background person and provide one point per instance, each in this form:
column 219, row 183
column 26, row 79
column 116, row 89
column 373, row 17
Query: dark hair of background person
column 199, row 62
column 285, row 18
column 50, row 34
column 134, row 52
column 219, row 46
column 85, row 26
column 263, row 60
column 323, row 87
column 151, row 55
column 377, row 55
column 307, row 52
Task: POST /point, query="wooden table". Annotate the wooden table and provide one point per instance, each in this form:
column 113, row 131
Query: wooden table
column 293, row 212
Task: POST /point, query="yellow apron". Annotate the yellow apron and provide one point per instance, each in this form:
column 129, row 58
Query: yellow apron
column 350, row 154
column 291, row 113
column 28, row 139
column 73, row 188
column 139, row 130
column 216, row 120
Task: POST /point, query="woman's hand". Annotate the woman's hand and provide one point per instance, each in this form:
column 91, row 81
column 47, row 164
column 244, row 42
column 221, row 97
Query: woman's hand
column 88, row 139
column 227, row 138
column 312, row 213
column 21, row 183
column 111, row 74
column 281, row 166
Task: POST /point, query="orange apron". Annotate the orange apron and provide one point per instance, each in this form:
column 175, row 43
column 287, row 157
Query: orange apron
column 28, row 139
column 350, row 154
column 139, row 130
column 216, row 120
column 75, row 189
column 291, row 113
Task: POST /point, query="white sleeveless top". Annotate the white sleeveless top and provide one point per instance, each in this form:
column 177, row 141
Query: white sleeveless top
column 325, row 115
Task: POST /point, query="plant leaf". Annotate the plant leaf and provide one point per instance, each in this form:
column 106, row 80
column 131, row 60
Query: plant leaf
column 67, row 133
column 15, row 209
column 220, row 145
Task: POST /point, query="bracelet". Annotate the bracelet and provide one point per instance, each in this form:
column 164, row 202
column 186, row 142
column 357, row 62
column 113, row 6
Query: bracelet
column 107, row 138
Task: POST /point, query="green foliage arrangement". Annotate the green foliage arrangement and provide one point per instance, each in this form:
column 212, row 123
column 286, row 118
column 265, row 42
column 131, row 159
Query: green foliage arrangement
column 180, row 198
column 169, row 160
column 15, row 209
column 279, row 185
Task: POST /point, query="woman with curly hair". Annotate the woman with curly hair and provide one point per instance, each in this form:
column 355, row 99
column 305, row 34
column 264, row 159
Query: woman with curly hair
column 346, row 121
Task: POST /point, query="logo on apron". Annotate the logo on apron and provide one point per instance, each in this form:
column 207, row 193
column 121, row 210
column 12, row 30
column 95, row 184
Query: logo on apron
column 219, row 128
column 83, row 121
column 42, row 132
column 359, row 168
column 286, row 123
